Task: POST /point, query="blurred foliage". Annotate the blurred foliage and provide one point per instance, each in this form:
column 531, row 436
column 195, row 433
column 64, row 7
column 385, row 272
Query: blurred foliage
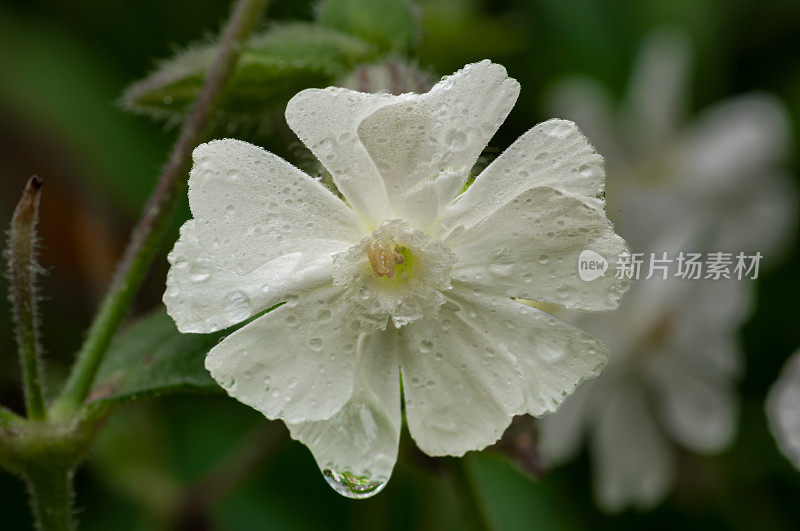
column 152, row 358
column 389, row 24
column 274, row 66
column 64, row 65
column 280, row 62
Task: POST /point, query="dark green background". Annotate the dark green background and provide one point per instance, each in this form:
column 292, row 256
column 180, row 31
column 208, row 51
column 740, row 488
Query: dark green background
column 63, row 66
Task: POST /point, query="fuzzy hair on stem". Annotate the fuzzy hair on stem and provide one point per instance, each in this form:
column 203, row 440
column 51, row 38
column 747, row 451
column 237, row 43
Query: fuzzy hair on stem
column 22, row 272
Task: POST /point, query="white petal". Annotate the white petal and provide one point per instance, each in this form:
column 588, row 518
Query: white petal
column 251, row 207
column 296, row 363
column 632, row 461
column 326, row 121
column 461, row 385
column 553, row 356
column 529, row 249
column 737, row 138
column 553, row 154
column 656, row 97
column 362, row 438
column 561, row 432
column 202, row 297
column 418, row 139
column 783, row 409
column 696, row 411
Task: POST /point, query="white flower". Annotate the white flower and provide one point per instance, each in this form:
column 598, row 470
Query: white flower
column 783, row 410
column 720, row 178
column 407, row 277
column 671, row 377
column 714, row 184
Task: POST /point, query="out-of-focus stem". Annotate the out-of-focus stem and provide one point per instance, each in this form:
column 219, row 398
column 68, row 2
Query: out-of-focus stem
column 470, row 504
column 22, row 270
column 148, row 233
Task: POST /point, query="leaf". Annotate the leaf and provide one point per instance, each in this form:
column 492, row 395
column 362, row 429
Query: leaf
column 273, row 67
column 389, row 24
column 151, row 357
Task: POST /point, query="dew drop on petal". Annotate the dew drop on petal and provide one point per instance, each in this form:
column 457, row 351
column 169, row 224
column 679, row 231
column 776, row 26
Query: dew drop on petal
column 352, row 486
column 237, row 306
column 425, row 345
column 200, row 270
column 502, row 264
column 315, row 343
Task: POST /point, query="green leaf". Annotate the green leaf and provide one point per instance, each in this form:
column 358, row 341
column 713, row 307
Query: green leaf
column 273, row 67
column 151, row 357
column 389, row 24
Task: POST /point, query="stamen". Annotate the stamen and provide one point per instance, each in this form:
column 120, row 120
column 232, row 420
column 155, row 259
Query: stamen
column 383, row 258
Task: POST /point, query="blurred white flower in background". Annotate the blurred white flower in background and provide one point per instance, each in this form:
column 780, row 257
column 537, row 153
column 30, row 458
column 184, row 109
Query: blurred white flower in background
column 783, row 410
column 674, row 363
column 714, row 184
column 408, row 277
column 719, row 180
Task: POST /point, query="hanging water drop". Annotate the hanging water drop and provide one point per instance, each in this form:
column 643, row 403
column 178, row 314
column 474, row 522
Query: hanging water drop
column 352, row 486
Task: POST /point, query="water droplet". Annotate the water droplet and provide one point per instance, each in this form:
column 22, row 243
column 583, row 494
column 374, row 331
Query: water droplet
column 315, row 343
column 324, row 314
column 291, row 301
column 425, row 345
column 502, row 265
column 352, row 486
column 446, row 324
column 292, row 383
column 237, row 306
column 200, row 270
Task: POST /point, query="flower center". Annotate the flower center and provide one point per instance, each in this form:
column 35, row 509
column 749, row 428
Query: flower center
column 396, row 273
column 384, row 258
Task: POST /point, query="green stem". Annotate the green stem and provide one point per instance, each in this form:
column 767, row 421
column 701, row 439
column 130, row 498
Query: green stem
column 470, row 504
column 23, row 268
column 148, row 233
column 51, row 497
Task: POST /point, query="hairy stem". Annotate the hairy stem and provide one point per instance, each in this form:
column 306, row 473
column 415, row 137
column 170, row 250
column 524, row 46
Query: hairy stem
column 51, row 497
column 470, row 504
column 148, row 233
column 22, row 271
